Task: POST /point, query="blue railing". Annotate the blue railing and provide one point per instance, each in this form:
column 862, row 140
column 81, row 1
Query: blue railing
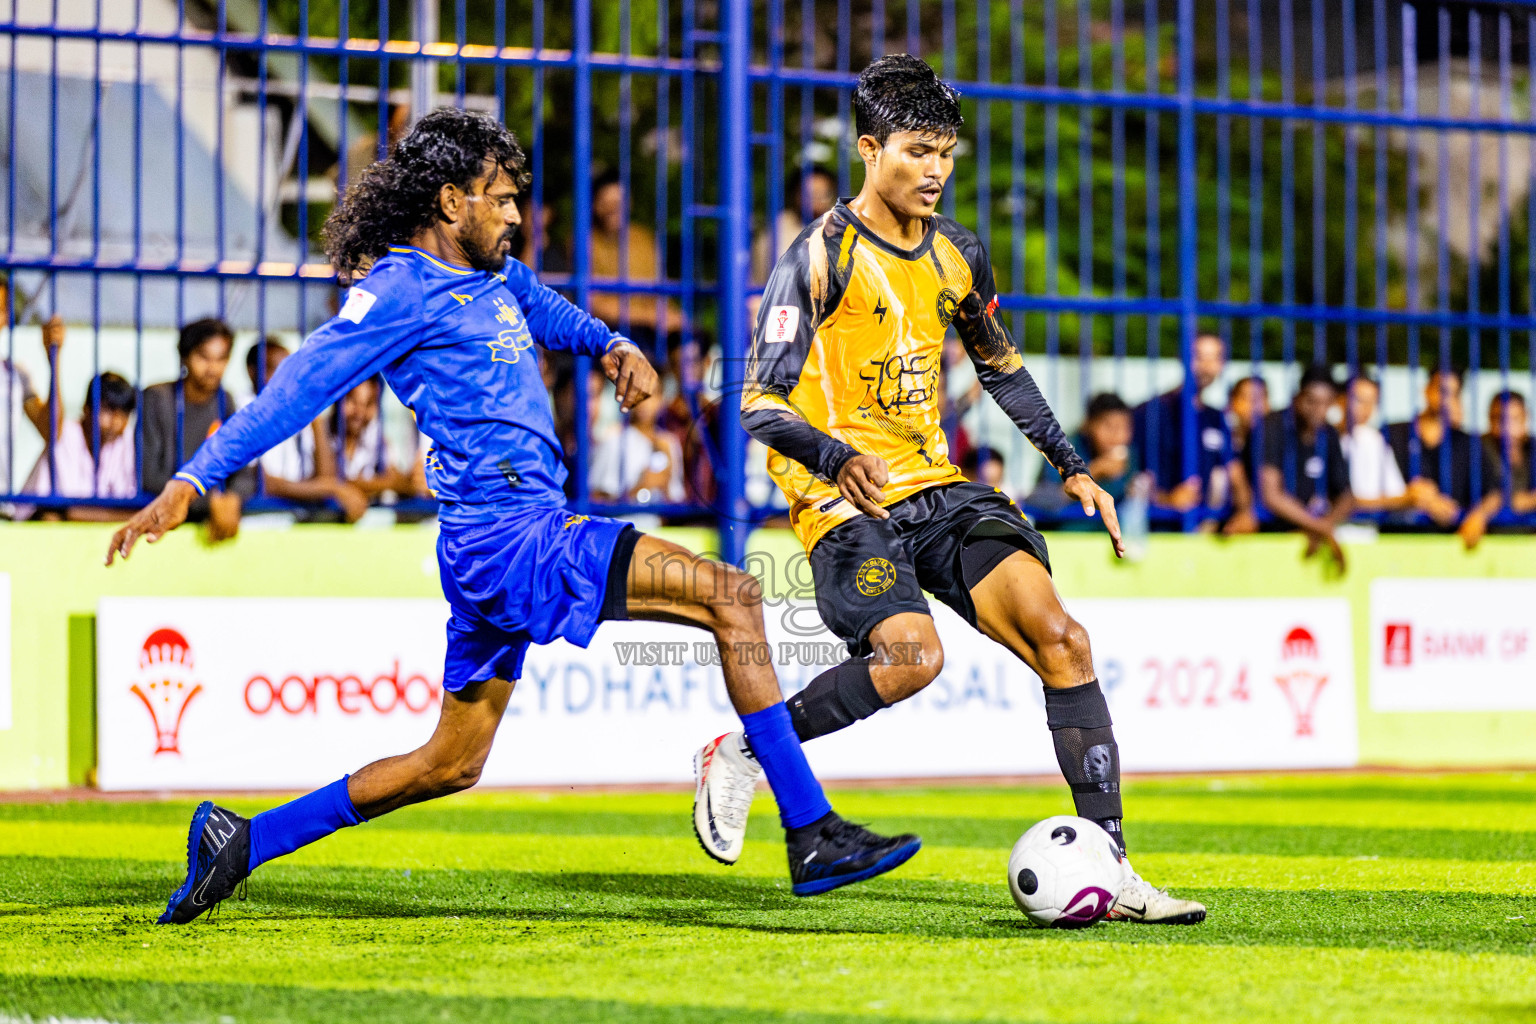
column 1141, row 172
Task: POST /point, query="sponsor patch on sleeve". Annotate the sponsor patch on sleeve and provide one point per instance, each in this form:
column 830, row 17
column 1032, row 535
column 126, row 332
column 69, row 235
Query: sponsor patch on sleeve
column 358, row 303
column 783, row 324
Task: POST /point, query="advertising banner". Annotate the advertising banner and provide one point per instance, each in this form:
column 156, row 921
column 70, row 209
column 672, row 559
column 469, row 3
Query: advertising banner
column 5, row 651
column 1453, row 645
column 264, row 693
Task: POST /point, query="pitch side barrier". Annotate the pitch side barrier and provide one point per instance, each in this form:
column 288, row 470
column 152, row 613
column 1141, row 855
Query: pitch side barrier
column 318, row 645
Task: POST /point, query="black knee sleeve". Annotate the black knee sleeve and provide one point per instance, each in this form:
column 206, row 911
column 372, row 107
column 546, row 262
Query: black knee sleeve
column 1084, row 737
column 835, row 700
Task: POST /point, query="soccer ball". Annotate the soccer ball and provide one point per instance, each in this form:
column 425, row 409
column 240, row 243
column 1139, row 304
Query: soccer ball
column 1065, row 872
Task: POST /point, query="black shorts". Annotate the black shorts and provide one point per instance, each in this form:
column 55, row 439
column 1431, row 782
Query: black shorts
column 943, row 540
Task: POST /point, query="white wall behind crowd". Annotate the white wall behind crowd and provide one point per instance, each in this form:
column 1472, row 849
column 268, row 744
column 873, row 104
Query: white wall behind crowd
column 242, row 693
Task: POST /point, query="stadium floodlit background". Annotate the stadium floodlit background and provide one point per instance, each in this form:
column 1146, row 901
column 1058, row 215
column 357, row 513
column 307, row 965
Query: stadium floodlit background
column 1313, row 182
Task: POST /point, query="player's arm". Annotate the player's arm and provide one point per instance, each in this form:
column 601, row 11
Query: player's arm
column 786, row 328
column 560, row 325
column 1001, row 370
column 377, row 324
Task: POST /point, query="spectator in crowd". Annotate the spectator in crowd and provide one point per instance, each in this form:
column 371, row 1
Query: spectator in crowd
column 537, row 247
column 18, row 394
column 813, row 192
column 1303, row 479
column 1434, row 454
column 632, row 257
column 303, row 468
column 1247, row 404
column 565, row 405
column 180, row 414
column 1159, row 432
column 1509, row 451
column 1105, row 442
column 365, row 148
column 1374, row 477
column 985, row 466
column 363, row 452
column 691, row 381
column 93, row 455
column 641, row 462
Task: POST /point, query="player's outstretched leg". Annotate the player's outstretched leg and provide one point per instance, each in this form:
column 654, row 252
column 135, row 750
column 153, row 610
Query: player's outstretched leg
column 670, row 584
column 1017, row 605
column 905, row 657
column 223, row 848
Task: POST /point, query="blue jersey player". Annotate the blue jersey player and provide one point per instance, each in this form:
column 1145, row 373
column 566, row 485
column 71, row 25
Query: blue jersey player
column 450, row 321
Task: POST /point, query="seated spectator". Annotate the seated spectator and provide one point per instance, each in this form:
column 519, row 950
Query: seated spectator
column 1159, row 432
column 20, row 395
column 1509, row 452
column 1374, row 477
column 985, row 466
column 640, row 463
column 644, row 318
column 179, row 415
column 1303, row 478
column 93, row 455
column 301, row 469
column 813, row 193
column 537, row 248
column 1434, row 454
column 1247, row 405
column 363, row 453
column 1105, row 441
column 364, row 150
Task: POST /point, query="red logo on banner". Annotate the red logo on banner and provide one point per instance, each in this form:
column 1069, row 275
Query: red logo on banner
column 1399, row 649
column 1301, row 676
column 167, row 687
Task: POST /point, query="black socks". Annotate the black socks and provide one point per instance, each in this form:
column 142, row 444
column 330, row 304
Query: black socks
column 1078, row 718
column 835, row 700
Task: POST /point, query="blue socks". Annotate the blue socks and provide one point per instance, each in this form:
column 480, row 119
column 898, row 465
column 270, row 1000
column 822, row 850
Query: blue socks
column 297, row 823
column 777, row 749
column 316, row 815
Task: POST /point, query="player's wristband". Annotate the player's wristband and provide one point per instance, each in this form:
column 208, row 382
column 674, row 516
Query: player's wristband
column 197, row 485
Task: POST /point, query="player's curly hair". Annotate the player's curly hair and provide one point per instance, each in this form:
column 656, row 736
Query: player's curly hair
column 901, row 93
column 397, row 197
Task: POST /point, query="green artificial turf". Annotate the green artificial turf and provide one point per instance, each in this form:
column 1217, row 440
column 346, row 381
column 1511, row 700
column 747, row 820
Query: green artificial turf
column 1332, row 897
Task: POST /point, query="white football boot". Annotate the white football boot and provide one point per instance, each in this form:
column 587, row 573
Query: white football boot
column 1140, row 901
column 725, row 779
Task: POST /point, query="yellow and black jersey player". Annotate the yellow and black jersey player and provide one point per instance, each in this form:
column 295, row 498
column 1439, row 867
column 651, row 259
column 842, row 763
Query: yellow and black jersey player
column 843, row 387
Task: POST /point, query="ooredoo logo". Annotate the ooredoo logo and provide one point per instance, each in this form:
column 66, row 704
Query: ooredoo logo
column 1301, row 677
column 350, row 692
column 166, row 686
column 1398, row 651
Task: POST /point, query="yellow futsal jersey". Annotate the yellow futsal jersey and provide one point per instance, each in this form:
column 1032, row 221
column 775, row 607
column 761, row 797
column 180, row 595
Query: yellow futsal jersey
column 846, row 359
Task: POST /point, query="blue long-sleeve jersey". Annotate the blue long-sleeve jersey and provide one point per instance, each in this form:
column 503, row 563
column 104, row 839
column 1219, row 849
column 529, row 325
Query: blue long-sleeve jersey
column 455, row 346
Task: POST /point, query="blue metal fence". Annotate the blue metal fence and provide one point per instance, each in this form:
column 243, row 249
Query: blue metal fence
column 1142, row 172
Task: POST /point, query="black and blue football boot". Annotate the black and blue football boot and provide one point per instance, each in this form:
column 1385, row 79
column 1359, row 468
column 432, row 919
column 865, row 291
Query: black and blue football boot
column 833, row 853
column 218, row 861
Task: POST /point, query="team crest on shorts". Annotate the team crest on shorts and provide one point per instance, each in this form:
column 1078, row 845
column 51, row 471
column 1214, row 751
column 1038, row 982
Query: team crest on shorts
column 949, row 304
column 875, row 577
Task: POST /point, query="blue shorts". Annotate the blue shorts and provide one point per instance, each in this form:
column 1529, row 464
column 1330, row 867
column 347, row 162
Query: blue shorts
column 530, row 576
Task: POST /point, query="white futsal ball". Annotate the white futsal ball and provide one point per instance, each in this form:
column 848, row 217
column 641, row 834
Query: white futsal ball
column 1065, row 872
